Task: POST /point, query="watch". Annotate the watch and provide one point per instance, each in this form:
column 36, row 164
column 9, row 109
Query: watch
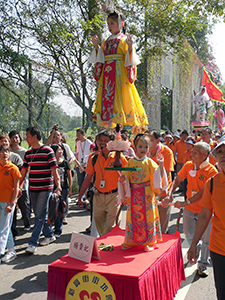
column 58, row 188
column 188, row 202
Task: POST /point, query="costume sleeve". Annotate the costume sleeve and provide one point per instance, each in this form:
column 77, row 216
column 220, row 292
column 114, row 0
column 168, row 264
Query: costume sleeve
column 153, row 166
column 206, row 200
column 98, row 70
column 131, row 59
column 98, row 60
column 127, row 173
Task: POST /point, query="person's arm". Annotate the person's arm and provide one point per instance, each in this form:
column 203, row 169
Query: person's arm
column 23, row 173
column 169, row 197
column 95, row 41
column 77, row 164
column 50, row 138
column 203, row 221
column 174, row 185
column 71, row 160
column 9, row 207
column 70, row 179
column 57, row 181
column 193, row 199
column 129, row 41
column 85, row 185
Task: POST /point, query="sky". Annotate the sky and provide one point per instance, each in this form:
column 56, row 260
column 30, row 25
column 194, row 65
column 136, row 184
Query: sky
column 217, row 41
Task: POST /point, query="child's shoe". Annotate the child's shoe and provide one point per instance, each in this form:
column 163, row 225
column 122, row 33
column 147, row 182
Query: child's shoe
column 149, row 248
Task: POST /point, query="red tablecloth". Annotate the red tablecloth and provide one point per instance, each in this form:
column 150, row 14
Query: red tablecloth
column 133, row 274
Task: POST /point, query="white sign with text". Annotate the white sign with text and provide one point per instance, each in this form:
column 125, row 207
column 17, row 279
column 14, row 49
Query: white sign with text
column 83, row 247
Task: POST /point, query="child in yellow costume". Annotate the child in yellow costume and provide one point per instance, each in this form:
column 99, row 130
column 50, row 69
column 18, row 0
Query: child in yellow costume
column 143, row 224
column 117, row 100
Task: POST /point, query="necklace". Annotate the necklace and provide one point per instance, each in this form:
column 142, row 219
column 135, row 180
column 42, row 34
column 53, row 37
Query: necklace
column 33, row 157
column 82, row 150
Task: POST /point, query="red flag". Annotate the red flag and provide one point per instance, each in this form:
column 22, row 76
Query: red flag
column 212, row 89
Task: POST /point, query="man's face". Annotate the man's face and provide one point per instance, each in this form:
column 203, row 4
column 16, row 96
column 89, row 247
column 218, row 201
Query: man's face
column 5, row 142
column 15, row 140
column 183, row 136
column 220, row 156
column 198, row 155
column 153, row 142
column 205, row 136
column 103, row 140
column 80, row 136
column 168, row 139
column 30, row 139
column 57, row 137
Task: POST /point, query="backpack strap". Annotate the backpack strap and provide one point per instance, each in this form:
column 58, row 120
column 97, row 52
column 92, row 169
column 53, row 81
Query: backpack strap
column 94, row 159
column 211, row 185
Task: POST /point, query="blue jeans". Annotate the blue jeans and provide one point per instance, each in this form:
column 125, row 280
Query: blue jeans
column 80, row 179
column 6, row 237
column 59, row 220
column 189, row 222
column 218, row 262
column 40, row 202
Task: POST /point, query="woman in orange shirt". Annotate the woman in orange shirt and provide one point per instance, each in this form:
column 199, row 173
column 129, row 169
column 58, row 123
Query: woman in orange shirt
column 212, row 202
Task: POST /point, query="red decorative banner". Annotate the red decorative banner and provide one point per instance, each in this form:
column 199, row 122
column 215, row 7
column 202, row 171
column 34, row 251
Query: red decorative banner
column 212, row 89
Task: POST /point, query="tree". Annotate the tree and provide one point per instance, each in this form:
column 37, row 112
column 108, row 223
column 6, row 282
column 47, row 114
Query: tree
column 16, row 63
column 45, row 40
column 61, row 31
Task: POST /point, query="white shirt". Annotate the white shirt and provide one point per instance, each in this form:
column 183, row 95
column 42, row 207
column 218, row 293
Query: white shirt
column 69, row 152
column 83, row 151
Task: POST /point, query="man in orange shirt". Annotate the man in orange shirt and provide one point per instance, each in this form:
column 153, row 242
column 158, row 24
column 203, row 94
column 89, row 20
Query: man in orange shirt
column 212, row 202
column 207, row 138
column 155, row 148
column 105, row 204
column 197, row 172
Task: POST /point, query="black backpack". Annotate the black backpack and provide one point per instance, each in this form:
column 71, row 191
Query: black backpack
column 56, row 206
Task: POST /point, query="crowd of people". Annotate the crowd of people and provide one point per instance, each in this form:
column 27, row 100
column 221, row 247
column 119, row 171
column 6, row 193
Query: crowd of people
column 185, row 162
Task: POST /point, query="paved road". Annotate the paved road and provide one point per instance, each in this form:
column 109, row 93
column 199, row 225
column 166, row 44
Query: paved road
column 26, row 276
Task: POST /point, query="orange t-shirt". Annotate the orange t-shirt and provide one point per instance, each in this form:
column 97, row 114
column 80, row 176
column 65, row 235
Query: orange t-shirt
column 215, row 202
column 168, row 160
column 196, row 183
column 8, row 174
column 171, row 145
column 180, row 148
column 110, row 178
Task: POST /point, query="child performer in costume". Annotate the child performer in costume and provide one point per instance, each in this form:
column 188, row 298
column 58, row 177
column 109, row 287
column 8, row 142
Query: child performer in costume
column 143, row 224
column 117, row 100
